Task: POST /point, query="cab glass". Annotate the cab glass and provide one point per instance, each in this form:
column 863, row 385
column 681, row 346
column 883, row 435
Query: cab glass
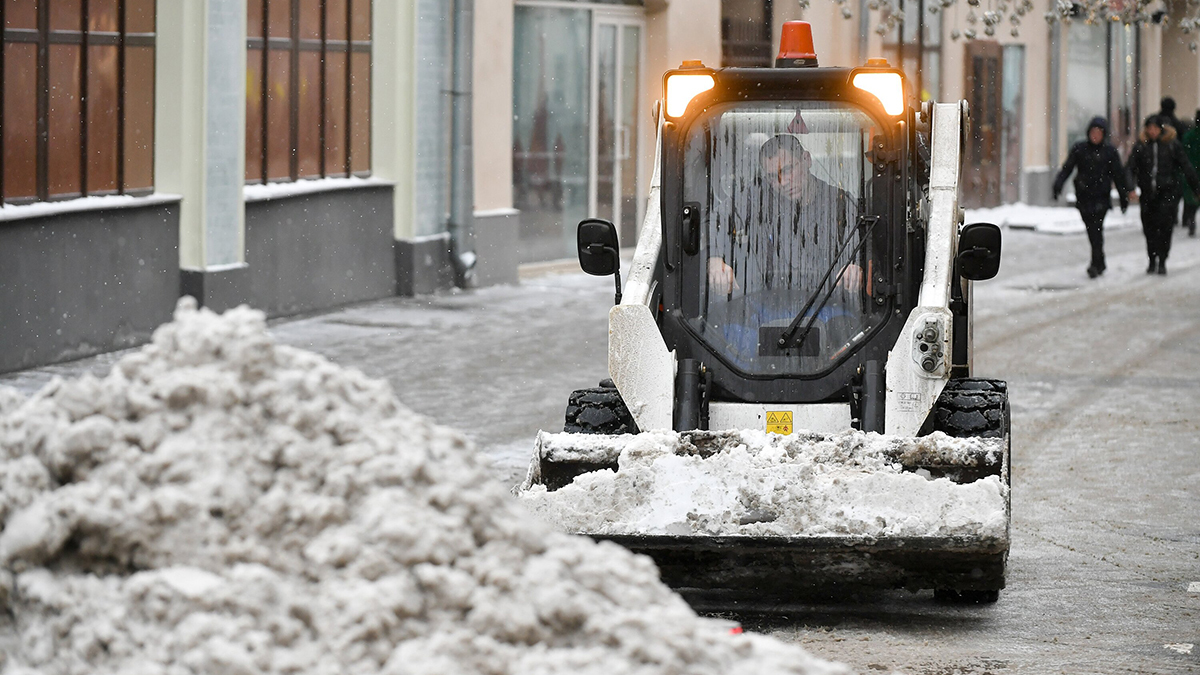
column 788, row 201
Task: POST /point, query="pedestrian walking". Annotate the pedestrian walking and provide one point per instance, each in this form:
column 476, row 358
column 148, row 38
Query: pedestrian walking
column 1156, row 164
column 1167, row 111
column 1097, row 167
column 1191, row 200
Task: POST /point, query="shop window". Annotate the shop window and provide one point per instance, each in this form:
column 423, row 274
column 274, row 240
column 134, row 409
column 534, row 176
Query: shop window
column 746, row 33
column 915, row 46
column 576, row 116
column 308, row 96
column 76, row 98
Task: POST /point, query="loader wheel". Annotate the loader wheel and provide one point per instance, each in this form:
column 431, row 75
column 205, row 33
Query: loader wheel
column 599, row 410
column 972, row 407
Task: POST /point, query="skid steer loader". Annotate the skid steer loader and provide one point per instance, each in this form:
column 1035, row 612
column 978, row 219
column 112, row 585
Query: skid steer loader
column 802, row 271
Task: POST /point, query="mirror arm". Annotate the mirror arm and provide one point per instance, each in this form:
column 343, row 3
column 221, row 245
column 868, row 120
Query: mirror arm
column 616, row 256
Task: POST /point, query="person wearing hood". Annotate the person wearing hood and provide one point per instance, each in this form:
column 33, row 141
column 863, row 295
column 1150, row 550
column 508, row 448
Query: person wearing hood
column 1097, row 167
column 1156, row 164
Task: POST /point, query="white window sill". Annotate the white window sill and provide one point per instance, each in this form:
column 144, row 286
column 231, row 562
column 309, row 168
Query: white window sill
column 269, row 191
column 9, row 212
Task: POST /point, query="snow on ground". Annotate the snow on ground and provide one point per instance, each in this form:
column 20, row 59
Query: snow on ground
column 1049, row 219
column 758, row 484
column 221, row 504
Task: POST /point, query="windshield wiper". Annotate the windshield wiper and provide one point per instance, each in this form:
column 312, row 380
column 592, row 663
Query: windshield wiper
column 787, row 335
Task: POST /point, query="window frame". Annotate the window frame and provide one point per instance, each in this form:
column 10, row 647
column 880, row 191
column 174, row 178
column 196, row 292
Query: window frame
column 295, row 45
column 44, row 36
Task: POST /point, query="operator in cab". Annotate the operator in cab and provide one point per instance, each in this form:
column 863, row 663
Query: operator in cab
column 784, row 187
column 793, row 198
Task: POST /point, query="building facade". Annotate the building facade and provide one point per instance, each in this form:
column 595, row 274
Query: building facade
column 296, row 155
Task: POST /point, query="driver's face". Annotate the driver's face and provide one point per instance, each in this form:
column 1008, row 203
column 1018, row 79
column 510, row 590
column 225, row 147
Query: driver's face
column 788, row 172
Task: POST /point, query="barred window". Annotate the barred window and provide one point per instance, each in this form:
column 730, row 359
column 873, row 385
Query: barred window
column 76, row 98
column 308, row 97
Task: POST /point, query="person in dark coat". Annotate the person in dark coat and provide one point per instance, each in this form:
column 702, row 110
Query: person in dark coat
column 1191, row 200
column 1167, row 112
column 1097, row 167
column 1156, row 163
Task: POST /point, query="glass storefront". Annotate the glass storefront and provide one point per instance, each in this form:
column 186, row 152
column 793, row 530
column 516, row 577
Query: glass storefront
column 1012, row 103
column 576, row 74
column 1102, row 54
column 1123, row 122
column 915, row 46
column 1087, row 59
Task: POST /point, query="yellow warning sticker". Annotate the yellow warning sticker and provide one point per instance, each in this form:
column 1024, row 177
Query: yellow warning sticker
column 779, row 422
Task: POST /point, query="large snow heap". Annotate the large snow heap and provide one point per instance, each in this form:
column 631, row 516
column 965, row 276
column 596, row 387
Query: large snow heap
column 222, row 504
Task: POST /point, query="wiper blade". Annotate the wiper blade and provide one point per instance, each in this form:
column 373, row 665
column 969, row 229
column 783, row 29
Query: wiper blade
column 787, row 335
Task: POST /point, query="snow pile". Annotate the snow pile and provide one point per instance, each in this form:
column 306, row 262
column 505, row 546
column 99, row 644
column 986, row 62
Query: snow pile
column 758, row 484
column 221, row 504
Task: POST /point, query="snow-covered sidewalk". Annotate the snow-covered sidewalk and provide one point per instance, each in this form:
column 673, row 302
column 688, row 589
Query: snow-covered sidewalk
column 1050, row 219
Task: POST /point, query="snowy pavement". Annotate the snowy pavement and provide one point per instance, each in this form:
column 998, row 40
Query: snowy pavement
column 1050, row 219
column 1105, row 382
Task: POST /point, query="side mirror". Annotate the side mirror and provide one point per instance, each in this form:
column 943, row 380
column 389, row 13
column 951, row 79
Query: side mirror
column 599, row 252
column 979, row 251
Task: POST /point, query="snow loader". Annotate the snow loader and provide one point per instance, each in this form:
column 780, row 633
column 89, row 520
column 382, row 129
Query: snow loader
column 803, row 265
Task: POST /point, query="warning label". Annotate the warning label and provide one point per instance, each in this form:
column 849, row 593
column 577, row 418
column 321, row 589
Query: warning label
column 779, row 422
column 908, row 401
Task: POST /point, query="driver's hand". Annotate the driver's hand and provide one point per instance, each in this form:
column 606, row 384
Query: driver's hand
column 720, row 277
column 852, row 277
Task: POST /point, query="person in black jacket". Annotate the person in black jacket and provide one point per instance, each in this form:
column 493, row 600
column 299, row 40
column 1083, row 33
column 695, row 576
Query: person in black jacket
column 1156, row 163
column 1167, row 113
column 1097, row 167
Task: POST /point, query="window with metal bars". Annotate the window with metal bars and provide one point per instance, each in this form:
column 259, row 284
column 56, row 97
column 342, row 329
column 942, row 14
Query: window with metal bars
column 308, row 98
column 76, row 99
column 746, row 38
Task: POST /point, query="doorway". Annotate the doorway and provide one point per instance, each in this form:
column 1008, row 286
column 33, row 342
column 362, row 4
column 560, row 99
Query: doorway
column 577, row 74
column 1011, row 120
column 984, row 73
column 616, row 59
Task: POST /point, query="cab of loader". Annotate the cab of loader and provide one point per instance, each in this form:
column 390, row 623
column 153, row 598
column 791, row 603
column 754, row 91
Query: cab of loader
column 792, row 251
column 786, row 250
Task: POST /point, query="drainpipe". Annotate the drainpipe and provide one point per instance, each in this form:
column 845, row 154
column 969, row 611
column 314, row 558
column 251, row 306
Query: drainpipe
column 462, row 174
column 1056, row 36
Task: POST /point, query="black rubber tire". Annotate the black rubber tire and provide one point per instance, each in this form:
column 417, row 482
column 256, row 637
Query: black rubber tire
column 598, row 410
column 972, row 407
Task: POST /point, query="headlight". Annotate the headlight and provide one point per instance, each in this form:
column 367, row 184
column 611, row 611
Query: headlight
column 683, row 87
column 887, row 87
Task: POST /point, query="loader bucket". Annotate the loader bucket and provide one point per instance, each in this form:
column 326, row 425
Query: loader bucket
column 760, row 573
column 745, row 520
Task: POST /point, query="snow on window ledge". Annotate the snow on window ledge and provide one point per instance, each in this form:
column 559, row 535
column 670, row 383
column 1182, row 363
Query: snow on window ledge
column 10, row 212
column 269, row 191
